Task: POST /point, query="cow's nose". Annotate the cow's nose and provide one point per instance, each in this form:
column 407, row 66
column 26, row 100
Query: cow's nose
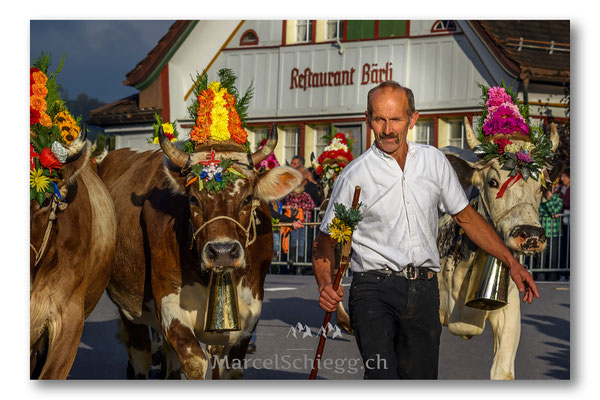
column 223, row 253
column 528, row 232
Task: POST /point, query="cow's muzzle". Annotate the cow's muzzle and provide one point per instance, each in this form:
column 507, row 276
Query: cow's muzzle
column 528, row 238
column 223, row 254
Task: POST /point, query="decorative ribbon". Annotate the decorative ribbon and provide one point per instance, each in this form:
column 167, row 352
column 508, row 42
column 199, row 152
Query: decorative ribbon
column 509, row 182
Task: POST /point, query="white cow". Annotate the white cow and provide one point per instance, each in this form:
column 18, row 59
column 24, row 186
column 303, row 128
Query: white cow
column 515, row 218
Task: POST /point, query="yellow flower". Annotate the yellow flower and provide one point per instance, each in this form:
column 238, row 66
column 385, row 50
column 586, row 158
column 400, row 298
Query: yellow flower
column 155, row 139
column 167, row 128
column 339, row 231
column 38, row 180
column 220, row 122
column 214, row 86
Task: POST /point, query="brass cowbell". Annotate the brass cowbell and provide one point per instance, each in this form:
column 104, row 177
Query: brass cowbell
column 488, row 286
column 222, row 313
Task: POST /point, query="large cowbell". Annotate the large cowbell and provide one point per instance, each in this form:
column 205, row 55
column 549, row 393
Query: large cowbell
column 222, row 313
column 488, row 286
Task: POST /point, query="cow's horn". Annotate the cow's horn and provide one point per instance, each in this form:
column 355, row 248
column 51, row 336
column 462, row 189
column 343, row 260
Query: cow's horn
column 268, row 148
column 472, row 140
column 75, row 148
column 554, row 138
column 178, row 157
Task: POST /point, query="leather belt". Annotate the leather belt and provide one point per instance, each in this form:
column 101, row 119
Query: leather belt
column 411, row 273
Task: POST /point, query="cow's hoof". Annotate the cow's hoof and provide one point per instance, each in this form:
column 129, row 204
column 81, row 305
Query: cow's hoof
column 251, row 348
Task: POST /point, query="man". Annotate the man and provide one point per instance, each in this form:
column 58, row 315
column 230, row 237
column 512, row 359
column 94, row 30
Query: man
column 310, row 187
column 395, row 319
column 297, row 161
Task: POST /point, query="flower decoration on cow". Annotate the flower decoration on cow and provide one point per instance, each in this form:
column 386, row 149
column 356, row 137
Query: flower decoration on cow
column 52, row 129
column 505, row 134
column 169, row 129
column 336, row 155
column 219, row 113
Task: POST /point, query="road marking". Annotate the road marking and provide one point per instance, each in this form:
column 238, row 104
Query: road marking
column 278, row 289
column 562, row 288
column 85, row 346
column 302, row 349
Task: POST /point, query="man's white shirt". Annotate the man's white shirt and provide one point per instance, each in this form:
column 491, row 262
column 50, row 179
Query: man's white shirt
column 399, row 208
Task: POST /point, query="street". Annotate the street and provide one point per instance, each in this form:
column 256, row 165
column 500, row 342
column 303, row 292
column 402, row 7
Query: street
column 287, row 337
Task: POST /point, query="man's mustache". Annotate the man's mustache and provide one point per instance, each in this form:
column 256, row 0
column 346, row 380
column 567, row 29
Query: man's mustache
column 384, row 136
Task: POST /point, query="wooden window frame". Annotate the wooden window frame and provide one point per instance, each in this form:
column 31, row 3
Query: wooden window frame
column 253, row 43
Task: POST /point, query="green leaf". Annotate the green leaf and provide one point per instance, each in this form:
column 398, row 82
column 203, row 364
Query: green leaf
column 535, row 174
column 509, row 164
column 525, row 173
column 40, row 197
column 514, row 172
column 511, row 155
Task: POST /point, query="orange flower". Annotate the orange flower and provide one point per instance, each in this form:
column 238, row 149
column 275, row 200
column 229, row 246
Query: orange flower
column 199, row 135
column 40, row 78
column 45, row 120
column 39, row 90
column 37, row 103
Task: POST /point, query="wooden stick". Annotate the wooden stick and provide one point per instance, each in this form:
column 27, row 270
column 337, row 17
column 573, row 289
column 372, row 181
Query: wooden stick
column 336, row 285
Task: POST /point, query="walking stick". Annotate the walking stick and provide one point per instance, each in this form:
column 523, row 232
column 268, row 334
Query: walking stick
column 336, row 283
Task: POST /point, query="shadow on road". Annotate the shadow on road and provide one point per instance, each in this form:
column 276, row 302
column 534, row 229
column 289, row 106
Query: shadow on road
column 557, row 328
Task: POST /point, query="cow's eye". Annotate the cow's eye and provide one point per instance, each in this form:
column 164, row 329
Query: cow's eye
column 194, row 201
column 248, row 199
column 493, row 183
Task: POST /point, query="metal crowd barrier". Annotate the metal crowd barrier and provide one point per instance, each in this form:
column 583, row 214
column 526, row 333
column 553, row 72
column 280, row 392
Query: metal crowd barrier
column 552, row 264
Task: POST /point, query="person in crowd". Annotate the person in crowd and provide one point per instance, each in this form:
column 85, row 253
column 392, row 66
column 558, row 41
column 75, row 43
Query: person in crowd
column 297, row 161
column 299, row 201
column 564, row 192
column 550, row 208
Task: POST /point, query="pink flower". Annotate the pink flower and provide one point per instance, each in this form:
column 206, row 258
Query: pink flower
column 524, row 156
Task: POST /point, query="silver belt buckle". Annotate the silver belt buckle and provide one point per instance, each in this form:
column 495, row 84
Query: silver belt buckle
column 411, row 272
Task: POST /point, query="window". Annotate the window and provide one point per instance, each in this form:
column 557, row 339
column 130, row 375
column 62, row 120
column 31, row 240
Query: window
column 249, row 38
column 356, row 30
column 291, row 146
column 423, row 133
column 333, row 29
column 456, row 134
column 388, row 28
column 320, row 141
column 444, row 26
column 259, row 134
column 304, row 31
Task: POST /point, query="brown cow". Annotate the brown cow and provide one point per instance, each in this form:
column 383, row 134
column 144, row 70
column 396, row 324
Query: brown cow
column 69, row 272
column 158, row 281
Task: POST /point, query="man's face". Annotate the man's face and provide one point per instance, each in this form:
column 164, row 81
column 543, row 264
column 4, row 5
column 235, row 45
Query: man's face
column 390, row 121
column 295, row 163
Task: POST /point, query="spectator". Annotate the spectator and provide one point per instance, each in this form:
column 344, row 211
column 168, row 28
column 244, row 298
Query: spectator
column 550, row 208
column 565, row 194
column 310, row 187
column 277, row 212
column 297, row 161
column 299, row 199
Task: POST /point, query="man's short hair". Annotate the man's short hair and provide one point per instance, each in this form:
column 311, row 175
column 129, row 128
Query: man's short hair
column 395, row 85
column 298, row 158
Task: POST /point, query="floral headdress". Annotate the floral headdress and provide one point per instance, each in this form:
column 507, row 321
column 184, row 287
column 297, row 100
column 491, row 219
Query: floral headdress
column 336, row 155
column 51, row 127
column 218, row 111
column 505, row 134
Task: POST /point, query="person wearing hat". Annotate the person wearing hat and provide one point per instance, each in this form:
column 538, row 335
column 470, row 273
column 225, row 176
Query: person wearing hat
column 394, row 296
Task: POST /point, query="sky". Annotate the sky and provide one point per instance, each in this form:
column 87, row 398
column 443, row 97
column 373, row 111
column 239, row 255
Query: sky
column 99, row 53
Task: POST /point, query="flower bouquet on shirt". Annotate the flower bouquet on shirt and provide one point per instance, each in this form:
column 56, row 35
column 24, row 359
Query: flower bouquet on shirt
column 344, row 222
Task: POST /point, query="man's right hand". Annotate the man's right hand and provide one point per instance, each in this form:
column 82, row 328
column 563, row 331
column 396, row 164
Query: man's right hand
column 297, row 224
column 329, row 298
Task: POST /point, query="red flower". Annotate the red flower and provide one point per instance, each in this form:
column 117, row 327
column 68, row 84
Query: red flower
column 32, row 156
column 48, row 160
column 502, row 143
column 34, row 116
column 319, row 170
column 170, row 136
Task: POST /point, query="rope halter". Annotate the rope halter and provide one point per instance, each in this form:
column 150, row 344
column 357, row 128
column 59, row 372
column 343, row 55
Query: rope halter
column 251, row 225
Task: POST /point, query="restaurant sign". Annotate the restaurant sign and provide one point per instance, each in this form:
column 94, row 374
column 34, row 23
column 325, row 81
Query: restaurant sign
column 370, row 73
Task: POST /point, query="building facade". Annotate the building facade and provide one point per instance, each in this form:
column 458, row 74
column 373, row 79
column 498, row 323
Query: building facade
column 311, row 75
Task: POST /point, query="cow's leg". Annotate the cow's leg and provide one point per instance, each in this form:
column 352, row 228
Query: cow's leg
column 342, row 319
column 179, row 334
column 506, row 325
column 235, row 357
column 136, row 339
column 64, row 334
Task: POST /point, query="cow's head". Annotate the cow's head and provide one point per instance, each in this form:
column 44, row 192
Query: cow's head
column 222, row 223
column 41, row 215
column 514, row 215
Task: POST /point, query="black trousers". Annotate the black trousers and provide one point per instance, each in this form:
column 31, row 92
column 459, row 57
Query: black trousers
column 397, row 325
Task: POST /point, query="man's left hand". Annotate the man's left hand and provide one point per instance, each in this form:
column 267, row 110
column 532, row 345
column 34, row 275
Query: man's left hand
column 524, row 281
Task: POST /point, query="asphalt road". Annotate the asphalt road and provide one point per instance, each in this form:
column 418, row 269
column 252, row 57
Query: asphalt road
column 287, row 339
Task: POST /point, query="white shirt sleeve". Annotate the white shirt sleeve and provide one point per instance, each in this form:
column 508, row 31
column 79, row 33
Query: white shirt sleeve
column 453, row 199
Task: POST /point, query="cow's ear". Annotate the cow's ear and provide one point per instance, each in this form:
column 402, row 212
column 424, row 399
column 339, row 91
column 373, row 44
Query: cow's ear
column 277, row 183
column 464, row 170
